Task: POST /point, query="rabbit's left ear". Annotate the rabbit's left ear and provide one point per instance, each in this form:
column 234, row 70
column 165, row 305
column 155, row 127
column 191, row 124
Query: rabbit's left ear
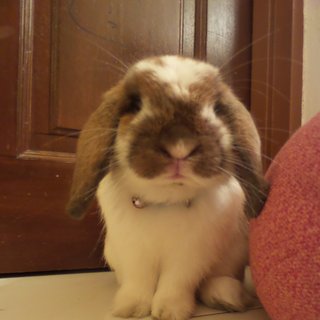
column 246, row 153
column 94, row 152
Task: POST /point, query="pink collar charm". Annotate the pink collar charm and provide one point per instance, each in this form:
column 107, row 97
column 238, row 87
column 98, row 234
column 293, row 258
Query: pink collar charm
column 137, row 203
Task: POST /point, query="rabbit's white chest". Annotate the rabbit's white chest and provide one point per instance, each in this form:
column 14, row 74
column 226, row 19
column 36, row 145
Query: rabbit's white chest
column 194, row 235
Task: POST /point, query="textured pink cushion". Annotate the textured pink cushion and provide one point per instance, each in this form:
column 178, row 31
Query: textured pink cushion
column 285, row 238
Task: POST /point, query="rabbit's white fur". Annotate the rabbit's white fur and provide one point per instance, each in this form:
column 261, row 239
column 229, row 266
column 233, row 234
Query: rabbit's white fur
column 161, row 254
column 179, row 73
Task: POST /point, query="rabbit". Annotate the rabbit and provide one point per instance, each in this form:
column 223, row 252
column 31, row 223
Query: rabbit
column 174, row 159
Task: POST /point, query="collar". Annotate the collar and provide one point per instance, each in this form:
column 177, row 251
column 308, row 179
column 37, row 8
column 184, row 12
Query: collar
column 138, row 203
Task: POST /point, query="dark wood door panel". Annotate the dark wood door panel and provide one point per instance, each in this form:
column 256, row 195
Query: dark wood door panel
column 9, row 49
column 35, row 234
column 229, row 39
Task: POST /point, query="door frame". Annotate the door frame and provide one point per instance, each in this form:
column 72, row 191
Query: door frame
column 277, row 65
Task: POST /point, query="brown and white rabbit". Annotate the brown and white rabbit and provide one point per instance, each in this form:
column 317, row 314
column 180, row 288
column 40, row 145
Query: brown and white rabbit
column 174, row 158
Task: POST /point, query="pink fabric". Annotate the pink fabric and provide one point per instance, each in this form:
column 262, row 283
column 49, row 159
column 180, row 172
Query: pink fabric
column 285, row 238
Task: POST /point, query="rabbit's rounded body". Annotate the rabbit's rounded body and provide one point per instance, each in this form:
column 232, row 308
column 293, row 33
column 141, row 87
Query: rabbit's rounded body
column 197, row 237
column 174, row 246
column 177, row 160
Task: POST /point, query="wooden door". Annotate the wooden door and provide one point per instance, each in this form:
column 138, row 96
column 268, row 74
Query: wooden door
column 57, row 58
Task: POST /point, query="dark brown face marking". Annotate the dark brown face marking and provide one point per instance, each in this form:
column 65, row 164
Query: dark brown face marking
column 155, row 134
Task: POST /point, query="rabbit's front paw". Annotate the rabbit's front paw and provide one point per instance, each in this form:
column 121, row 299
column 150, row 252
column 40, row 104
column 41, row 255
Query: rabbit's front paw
column 130, row 303
column 172, row 307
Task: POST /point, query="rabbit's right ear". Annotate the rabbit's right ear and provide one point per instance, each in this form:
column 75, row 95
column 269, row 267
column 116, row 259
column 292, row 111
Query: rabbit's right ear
column 94, row 151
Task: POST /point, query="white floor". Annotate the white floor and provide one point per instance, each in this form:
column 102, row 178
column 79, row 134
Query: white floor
column 86, row 296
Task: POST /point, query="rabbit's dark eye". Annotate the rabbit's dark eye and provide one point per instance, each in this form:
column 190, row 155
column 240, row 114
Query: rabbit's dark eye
column 219, row 108
column 133, row 106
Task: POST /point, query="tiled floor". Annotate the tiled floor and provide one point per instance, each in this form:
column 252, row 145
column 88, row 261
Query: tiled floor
column 77, row 297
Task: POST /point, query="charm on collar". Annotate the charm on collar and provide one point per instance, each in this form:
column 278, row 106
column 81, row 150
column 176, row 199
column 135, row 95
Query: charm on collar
column 188, row 203
column 137, row 203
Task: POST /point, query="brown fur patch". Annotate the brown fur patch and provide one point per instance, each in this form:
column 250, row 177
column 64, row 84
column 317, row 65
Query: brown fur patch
column 205, row 90
column 155, row 134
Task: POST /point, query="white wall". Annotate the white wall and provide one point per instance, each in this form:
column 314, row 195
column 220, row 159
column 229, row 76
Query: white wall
column 311, row 60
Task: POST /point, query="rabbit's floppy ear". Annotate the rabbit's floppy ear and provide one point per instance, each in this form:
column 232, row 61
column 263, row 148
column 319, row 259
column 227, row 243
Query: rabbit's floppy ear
column 94, row 151
column 246, row 153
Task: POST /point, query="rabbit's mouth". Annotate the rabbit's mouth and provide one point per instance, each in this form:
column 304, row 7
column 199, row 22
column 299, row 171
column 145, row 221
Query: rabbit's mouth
column 176, row 169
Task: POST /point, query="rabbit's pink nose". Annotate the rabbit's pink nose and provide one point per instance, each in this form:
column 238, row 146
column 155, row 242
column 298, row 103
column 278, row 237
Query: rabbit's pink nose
column 181, row 150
